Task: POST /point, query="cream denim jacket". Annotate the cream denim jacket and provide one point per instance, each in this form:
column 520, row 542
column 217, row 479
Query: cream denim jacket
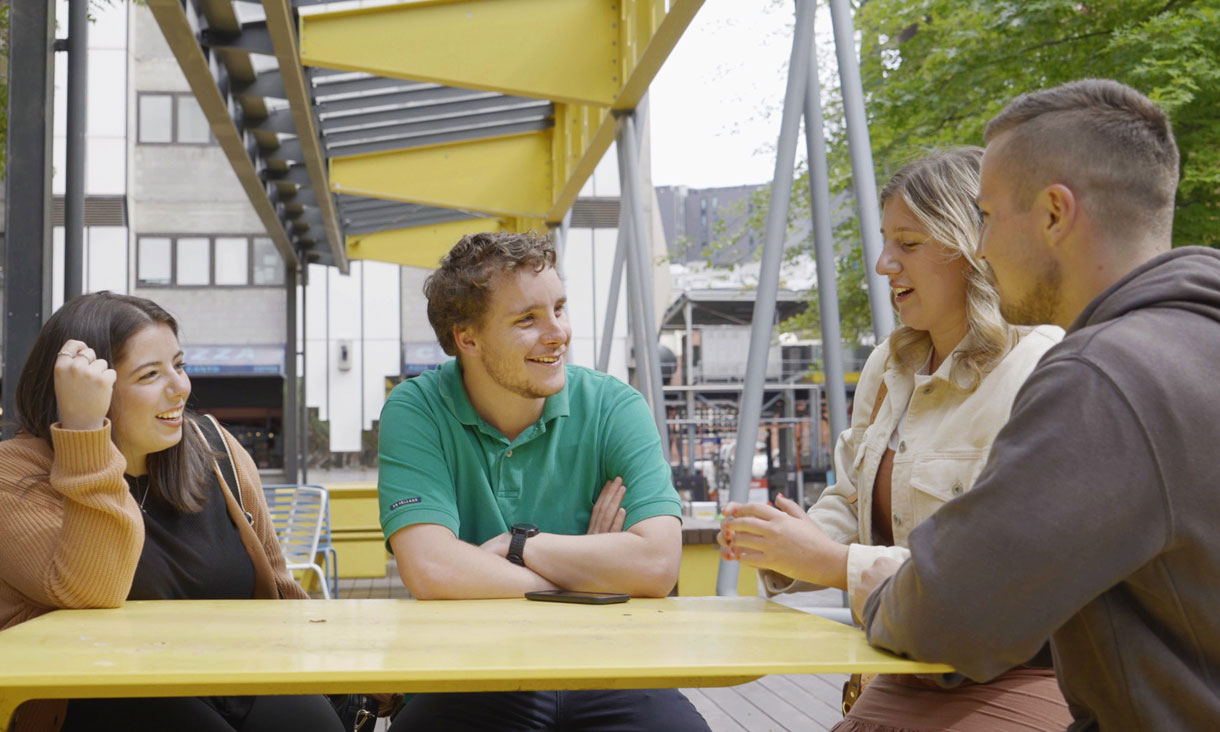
column 945, row 443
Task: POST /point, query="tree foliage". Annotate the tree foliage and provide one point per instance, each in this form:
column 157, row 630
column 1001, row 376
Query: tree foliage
column 935, row 71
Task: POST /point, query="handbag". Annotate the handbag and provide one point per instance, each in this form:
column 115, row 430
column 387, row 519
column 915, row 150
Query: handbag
column 359, row 712
column 855, row 685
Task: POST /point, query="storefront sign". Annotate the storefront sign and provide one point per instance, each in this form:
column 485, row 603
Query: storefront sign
column 260, row 360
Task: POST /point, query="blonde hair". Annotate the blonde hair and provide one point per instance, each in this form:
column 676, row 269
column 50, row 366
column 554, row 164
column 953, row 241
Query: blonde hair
column 940, row 189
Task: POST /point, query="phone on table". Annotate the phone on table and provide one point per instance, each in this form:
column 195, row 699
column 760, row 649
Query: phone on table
column 584, row 598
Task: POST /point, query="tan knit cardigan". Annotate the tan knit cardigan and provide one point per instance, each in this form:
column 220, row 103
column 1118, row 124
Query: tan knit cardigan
column 71, row 535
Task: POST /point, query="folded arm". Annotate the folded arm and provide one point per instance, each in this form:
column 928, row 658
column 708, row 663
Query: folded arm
column 642, row 561
column 436, row 565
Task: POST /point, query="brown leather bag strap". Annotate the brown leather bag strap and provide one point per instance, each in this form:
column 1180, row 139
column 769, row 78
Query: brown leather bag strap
column 881, row 392
column 877, row 404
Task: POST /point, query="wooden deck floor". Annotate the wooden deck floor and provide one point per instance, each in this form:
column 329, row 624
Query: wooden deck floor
column 770, row 704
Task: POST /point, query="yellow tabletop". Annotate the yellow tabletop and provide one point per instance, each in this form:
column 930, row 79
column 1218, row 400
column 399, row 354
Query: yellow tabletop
column 190, row 648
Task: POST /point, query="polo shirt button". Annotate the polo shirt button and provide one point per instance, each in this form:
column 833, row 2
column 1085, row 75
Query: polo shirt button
column 957, row 489
column 902, row 446
column 897, row 519
column 508, row 454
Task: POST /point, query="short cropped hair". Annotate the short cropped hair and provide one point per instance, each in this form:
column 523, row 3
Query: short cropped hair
column 1104, row 140
column 458, row 290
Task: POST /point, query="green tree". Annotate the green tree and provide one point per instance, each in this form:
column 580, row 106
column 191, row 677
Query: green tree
column 935, row 71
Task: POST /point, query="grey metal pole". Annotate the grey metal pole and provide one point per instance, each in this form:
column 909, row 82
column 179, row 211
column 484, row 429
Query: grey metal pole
column 863, row 176
column 302, row 417
column 593, row 282
column 560, row 233
column 824, row 248
column 27, row 251
column 815, row 427
column 288, row 426
column 688, row 371
column 635, row 309
column 74, row 169
column 768, row 275
column 616, row 284
column 620, row 256
column 639, row 253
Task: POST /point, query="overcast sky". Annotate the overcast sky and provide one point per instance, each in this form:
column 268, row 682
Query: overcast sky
column 716, row 101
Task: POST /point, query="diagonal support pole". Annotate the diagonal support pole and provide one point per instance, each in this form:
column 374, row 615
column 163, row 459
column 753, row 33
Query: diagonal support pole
column 823, row 242
column 616, row 284
column 862, row 175
column 750, row 411
column 638, row 253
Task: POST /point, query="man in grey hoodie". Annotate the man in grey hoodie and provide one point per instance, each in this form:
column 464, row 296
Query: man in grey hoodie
column 1096, row 522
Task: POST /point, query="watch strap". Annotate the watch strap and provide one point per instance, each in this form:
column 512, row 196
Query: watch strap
column 516, row 548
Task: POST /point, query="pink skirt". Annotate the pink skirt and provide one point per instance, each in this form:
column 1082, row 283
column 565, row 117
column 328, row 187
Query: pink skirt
column 1020, row 700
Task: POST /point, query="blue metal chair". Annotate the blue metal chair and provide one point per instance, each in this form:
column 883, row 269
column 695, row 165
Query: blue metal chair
column 301, row 517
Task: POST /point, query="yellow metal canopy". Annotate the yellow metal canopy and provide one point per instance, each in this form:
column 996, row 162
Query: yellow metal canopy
column 387, row 132
column 488, row 154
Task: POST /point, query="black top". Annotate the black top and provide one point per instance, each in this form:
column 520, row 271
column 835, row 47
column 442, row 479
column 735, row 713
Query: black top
column 190, row 556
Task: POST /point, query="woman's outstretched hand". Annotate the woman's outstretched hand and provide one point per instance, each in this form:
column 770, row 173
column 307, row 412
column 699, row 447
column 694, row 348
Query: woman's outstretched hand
column 783, row 539
column 84, row 384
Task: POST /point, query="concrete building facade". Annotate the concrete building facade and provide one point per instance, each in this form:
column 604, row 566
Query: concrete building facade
column 178, row 229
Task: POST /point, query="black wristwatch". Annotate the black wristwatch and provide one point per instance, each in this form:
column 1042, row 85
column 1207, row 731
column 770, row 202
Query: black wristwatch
column 516, row 547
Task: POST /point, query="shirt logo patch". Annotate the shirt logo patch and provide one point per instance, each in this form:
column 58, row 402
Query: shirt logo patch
column 405, row 502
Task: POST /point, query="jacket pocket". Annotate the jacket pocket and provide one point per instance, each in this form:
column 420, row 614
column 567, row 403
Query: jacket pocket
column 938, row 480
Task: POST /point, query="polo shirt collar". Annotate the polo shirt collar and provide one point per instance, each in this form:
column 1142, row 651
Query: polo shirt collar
column 453, row 393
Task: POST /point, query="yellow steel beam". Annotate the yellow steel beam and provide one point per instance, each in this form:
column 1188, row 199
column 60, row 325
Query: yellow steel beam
column 553, row 49
column 423, row 246
column 417, row 246
column 564, row 50
column 599, row 52
column 581, row 137
column 501, row 176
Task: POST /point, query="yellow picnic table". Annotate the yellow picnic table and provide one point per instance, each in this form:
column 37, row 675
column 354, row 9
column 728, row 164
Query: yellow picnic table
column 214, row 647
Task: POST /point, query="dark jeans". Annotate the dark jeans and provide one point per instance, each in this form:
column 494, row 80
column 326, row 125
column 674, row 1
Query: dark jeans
column 635, row 710
column 203, row 714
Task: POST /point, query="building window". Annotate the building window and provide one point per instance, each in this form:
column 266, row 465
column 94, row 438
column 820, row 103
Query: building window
column 155, row 259
column 232, row 260
column 203, row 261
column 167, row 118
column 194, row 259
column 268, row 266
column 192, row 126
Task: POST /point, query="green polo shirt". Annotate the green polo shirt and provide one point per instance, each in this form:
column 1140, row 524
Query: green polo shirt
column 440, row 463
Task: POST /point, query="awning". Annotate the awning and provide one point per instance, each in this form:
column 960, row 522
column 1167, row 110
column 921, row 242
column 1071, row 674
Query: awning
column 728, row 306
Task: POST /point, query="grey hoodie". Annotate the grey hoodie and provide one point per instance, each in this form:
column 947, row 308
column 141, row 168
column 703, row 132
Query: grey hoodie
column 1096, row 521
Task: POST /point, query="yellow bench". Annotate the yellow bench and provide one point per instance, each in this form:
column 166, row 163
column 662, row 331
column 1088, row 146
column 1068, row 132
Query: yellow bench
column 355, row 530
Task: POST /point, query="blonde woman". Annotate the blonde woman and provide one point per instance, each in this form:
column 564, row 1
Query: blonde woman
column 928, row 406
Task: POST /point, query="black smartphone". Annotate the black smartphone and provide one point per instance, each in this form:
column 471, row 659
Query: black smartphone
column 584, row 598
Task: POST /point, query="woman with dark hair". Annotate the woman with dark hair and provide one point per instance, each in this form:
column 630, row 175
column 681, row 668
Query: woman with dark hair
column 111, row 492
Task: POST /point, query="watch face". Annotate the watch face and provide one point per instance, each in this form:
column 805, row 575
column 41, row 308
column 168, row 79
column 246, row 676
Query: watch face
column 523, row 528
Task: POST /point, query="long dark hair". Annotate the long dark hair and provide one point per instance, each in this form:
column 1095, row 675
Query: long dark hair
column 105, row 321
